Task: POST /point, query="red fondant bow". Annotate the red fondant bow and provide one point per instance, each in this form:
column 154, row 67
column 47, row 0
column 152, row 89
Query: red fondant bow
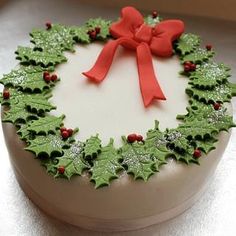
column 131, row 32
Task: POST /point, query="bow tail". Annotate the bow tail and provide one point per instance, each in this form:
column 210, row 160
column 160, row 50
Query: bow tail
column 101, row 67
column 149, row 86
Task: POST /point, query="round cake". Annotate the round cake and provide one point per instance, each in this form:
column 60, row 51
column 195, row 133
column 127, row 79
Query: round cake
column 116, row 138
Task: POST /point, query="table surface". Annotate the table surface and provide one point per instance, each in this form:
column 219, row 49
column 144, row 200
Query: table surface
column 214, row 214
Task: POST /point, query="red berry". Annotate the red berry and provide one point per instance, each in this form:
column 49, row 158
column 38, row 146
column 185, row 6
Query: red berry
column 47, row 78
column 193, row 67
column 48, row 25
column 132, row 138
column 65, row 134
column 154, row 14
column 70, row 131
column 6, row 94
column 61, row 169
column 98, row 30
column 139, row 138
column 63, row 129
column 187, row 68
column 208, row 47
column 197, row 153
column 216, row 106
column 92, row 34
column 45, row 73
column 53, row 77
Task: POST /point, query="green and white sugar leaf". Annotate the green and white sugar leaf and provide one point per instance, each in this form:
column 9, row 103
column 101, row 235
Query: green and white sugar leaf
column 199, row 55
column 92, row 147
column 80, row 34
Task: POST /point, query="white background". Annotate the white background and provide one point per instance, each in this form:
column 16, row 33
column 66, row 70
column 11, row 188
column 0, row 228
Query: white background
column 214, row 214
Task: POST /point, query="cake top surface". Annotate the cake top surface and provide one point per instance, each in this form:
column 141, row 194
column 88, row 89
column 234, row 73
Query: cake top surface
column 156, row 44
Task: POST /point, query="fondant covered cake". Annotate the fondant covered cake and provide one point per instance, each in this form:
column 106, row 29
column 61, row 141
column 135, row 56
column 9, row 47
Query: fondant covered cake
column 116, row 138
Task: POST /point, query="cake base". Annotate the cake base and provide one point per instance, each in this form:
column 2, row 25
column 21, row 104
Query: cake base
column 124, row 205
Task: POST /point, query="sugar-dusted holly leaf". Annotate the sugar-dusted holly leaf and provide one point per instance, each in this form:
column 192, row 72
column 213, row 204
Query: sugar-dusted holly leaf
column 187, row 43
column 49, row 145
column 24, row 133
column 198, row 55
column 209, row 74
column 220, row 93
column 18, row 114
column 55, row 40
column 27, row 78
column 206, row 145
column 72, row 160
column 92, row 147
column 80, row 34
column 137, row 160
column 152, row 21
column 155, row 143
column 46, row 125
column 15, row 97
column 102, row 24
column 185, row 157
column 43, row 58
column 106, row 166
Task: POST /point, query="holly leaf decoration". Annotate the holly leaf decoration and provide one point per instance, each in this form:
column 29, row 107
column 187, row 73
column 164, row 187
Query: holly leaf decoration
column 155, row 143
column 137, row 160
column 220, row 93
column 72, row 160
column 27, row 78
column 199, row 55
column 24, row 133
column 152, row 21
column 206, row 145
column 18, row 114
column 55, row 40
column 46, row 125
column 187, row 43
column 80, row 34
column 49, row 145
column 106, row 166
column 102, row 24
column 186, row 156
column 92, row 147
column 43, row 58
column 208, row 75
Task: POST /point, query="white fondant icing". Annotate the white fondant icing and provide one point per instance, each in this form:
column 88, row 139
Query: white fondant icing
column 115, row 107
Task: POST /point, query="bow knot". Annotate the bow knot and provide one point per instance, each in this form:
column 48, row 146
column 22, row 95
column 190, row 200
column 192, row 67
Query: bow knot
column 131, row 32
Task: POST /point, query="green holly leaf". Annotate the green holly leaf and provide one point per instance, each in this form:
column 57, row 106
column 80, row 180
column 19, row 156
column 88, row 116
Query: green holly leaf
column 197, row 56
column 102, row 24
column 221, row 93
column 187, row 43
column 27, row 78
column 92, row 147
column 80, row 34
column 208, row 75
column 206, row 145
column 46, row 125
column 137, row 160
column 152, row 21
column 18, row 114
column 155, row 144
column 23, row 131
column 72, row 160
column 29, row 56
column 106, row 166
column 55, row 40
column 185, row 157
column 49, row 145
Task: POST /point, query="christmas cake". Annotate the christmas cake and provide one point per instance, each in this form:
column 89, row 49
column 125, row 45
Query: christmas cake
column 151, row 117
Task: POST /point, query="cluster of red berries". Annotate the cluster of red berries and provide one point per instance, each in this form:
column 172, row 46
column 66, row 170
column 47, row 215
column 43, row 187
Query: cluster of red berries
column 66, row 133
column 131, row 138
column 61, row 169
column 48, row 25
column 189, row 66
column 217, row 106
column 49, row 78
column 94, row 32
column 197, row 153
column 154, row 14
column 6, row 94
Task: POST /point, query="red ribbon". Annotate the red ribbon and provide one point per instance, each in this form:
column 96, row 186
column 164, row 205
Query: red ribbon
column 131, row 32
